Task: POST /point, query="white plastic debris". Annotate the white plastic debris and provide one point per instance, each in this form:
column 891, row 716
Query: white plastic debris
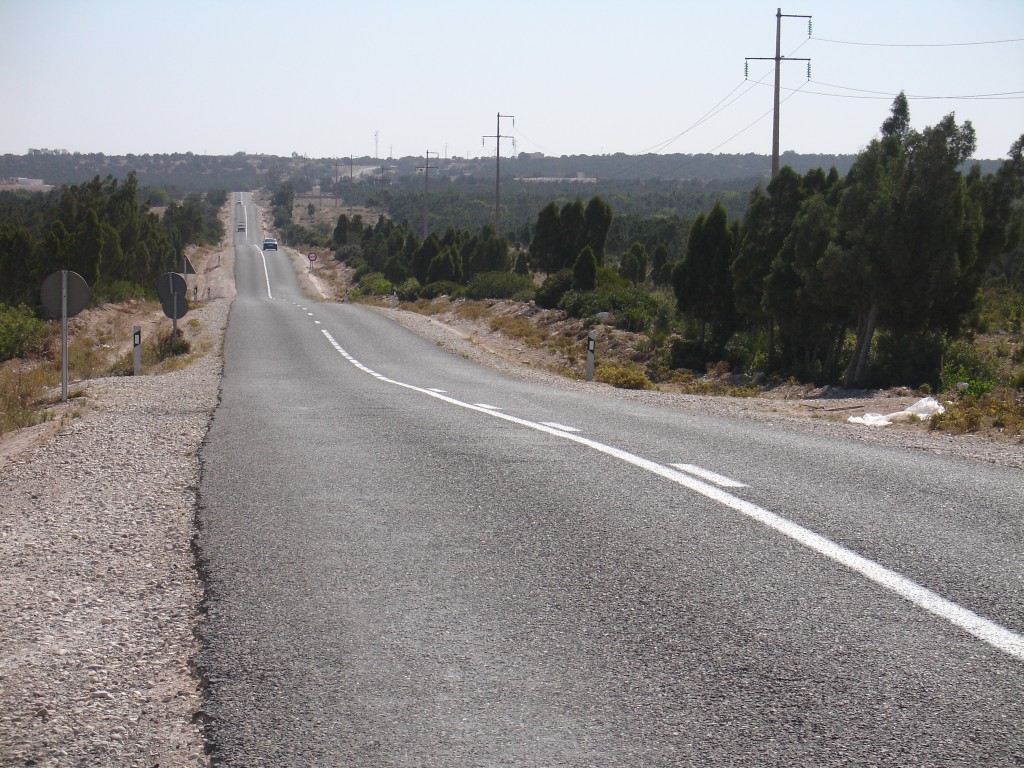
column 924, row 408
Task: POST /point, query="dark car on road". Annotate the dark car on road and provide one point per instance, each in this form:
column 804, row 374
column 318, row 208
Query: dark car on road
column 270, row 244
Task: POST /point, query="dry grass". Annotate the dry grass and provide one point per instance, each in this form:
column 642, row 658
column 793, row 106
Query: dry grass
column 473, row 310
column 23, row 394
column 426, row 307
column 1001, row 412
column 521, row 329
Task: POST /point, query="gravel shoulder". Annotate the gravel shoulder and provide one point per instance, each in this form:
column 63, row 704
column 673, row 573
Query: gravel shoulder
column 99, row 595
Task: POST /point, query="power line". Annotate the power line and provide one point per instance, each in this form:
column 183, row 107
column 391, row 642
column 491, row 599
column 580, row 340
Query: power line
column 886, row 95
column 693, row 158
column 919, row 45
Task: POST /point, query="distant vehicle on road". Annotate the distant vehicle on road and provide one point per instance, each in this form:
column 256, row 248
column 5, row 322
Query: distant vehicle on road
column 270, row 244
column 241, row 226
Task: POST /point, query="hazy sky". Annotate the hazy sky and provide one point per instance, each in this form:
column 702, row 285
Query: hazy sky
column 322, row 77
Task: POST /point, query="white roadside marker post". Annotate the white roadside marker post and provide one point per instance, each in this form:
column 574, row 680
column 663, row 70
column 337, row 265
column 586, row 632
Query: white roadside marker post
column 590, row 356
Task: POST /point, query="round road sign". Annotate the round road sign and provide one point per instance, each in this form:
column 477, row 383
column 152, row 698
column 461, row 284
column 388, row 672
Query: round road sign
column 169, row 283
column 175, row 309
column 53, row 288
column 312, row 257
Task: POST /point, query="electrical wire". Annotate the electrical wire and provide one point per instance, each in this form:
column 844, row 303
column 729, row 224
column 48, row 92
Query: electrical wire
column 883, row 95
column 919, row 45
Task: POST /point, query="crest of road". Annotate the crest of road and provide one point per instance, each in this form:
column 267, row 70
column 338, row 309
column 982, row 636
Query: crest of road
column 412, row 560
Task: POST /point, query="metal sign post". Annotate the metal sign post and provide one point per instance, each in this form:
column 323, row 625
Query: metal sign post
column 63, row 335
column 64, row 294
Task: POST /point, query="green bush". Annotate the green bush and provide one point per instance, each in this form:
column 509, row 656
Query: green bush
column 441, row 288
column 623, row 376
column 966, row 363
column 165, row 346
column 634, row 308
column 554, row 288
column 498, row 285
column 21, row 332
column 349, row 254
column 374, row 284
column 116, row 292
column 409, row 289
column 689, row 354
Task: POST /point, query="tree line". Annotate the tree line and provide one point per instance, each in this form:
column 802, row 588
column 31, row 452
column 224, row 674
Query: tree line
column 867, row 279
column 103, row 229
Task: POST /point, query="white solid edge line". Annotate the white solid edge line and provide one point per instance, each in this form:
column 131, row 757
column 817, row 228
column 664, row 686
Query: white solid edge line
column 712, row 477
column 266, row 273
column 987, row 631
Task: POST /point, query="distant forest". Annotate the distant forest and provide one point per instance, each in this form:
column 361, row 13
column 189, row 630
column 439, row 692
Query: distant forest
column 181, row 173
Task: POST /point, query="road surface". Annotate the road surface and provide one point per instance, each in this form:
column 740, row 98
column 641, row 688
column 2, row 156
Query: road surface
column 414, row 561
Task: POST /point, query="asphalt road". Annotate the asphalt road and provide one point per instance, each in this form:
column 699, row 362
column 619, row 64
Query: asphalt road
column 413, row 561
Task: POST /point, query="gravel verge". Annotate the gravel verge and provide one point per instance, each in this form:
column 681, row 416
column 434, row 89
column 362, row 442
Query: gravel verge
column 99, row 595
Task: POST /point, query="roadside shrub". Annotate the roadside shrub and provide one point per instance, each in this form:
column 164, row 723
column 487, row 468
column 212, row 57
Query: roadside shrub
column 965, row 363
column 498, row 285
column 21, row 332
column 409, row 289
column 374, row 284
column 634, row 309
column 349, row 254
column 116, row 292
column 165, row 346
column 21, row 389
column 441, row 288
column 554, row 288
column 623, row 376
column 687, row 353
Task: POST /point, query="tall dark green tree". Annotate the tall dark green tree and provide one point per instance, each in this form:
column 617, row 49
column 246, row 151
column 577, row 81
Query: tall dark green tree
column 634, row 264
column 661, row 272
column 908, row 235
column 573, row 219
column 598, row 219
column 702, row 281
column 584, row 271
column 424, row 256
column 546, row 245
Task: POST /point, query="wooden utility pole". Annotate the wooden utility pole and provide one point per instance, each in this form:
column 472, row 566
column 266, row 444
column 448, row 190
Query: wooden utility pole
column 426, row 187
column 778, row 58
column 497, row 168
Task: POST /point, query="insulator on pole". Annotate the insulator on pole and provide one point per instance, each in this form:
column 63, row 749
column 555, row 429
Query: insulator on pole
column 808, row 70
column 746, row 70
column 808, row 27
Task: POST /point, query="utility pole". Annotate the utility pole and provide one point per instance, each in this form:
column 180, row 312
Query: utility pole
column 376, row 155
column 497, row 168
column 426, row 178
column 351, row 182
column 778, row 58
